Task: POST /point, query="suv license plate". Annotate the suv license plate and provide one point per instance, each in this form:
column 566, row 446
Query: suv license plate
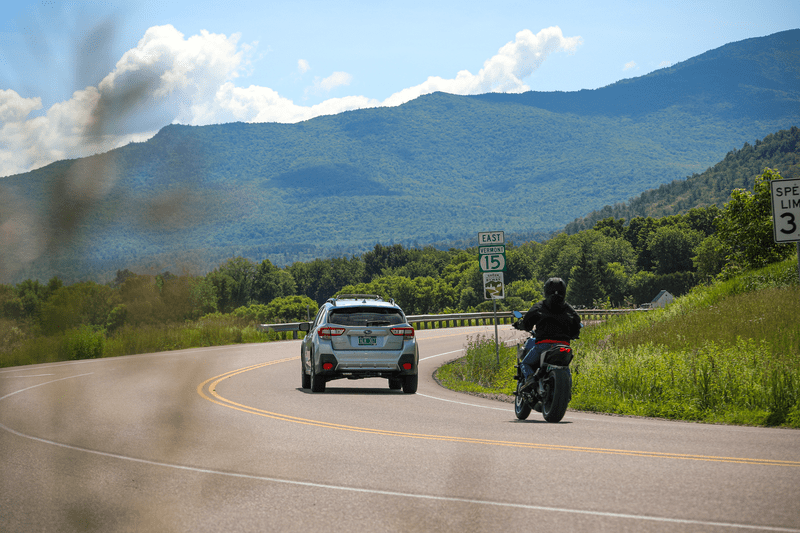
column 367, row 341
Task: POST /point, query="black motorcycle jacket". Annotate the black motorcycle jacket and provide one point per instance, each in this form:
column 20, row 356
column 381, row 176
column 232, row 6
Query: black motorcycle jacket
column 553, row 318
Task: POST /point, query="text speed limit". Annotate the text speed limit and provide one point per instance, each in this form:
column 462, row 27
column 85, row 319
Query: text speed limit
column 786, row 210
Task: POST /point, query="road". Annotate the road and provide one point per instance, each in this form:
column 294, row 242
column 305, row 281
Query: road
column 224, row 439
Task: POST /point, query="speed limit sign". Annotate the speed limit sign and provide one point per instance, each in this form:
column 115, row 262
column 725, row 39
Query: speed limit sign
column 786, row 210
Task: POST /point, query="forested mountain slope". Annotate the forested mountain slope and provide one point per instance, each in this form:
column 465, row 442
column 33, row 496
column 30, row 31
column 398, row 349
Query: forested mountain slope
column 439, row 168
column 780, row 151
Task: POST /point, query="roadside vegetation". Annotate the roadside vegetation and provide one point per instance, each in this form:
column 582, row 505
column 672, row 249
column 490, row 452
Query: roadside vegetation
column 727, row 350
column 725, row 353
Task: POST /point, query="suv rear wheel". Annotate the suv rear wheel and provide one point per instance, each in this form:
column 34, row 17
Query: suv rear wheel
column 410, row 384
column 317, row 382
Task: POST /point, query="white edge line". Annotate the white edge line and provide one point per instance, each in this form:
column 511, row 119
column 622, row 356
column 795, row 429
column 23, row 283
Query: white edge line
column 441, row 354
column 454, row 401
column 31, row 376
column 463, row 403
column 39, row 385
column 384, row 492
column 403, row 494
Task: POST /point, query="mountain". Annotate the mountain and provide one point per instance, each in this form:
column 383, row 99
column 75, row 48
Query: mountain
column 739, row 169
column 439, row 168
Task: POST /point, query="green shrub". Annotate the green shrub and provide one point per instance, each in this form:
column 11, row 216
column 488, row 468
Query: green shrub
column 85, row 342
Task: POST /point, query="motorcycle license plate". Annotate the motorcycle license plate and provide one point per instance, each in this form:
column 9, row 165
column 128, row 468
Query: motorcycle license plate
column 367, row 341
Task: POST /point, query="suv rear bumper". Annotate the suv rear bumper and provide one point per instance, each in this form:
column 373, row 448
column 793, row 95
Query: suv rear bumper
column 405, row 365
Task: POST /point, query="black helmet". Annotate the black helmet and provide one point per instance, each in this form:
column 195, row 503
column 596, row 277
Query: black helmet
column 554, row 291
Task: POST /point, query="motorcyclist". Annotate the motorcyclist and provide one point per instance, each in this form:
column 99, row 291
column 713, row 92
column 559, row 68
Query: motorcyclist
column 556, row 322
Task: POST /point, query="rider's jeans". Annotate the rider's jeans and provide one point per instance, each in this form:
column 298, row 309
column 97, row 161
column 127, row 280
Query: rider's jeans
column 530, row 362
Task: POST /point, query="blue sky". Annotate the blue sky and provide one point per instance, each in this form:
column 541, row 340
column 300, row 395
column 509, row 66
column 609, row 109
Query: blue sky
column 83, row 77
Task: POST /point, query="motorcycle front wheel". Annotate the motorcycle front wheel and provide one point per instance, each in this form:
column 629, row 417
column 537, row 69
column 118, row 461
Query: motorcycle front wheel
column 557, row 394
column 521, row 407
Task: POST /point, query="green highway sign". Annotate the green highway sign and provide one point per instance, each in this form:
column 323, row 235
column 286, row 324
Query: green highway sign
column 494, row 261
column 492, row 251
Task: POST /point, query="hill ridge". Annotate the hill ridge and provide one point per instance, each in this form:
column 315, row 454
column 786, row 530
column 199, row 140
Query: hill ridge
column 434, row 170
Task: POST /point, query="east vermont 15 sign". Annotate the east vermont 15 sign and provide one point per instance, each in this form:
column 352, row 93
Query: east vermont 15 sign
column 492, row 251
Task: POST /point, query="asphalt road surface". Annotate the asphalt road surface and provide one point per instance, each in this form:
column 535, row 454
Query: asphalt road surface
column 224, row 439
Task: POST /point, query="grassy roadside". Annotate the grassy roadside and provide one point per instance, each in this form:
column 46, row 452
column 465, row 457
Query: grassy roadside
column 91, row 343
column 727, row 353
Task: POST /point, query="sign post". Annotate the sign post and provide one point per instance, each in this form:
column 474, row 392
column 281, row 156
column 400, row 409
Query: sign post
column 786, row 213
column 492, row 260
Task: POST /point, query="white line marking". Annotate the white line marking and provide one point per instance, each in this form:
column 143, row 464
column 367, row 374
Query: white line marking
column 431, row 497
column 441, row 354
column 33, row 376
column 40, row 384
column 464, row 403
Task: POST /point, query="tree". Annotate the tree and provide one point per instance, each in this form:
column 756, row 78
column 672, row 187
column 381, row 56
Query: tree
column 294, row 308
column 745, row 227
column 271, row 282
column 203, row 296
column 709, row 259
column 528, row 290
column 585, row 285
column 384, row 257
column 141, row 302
column 614, row 280
column 234, row 282
column 672, row 248
column 432, row 295
column 322, row 278
column 81, row 304
column 520, row 263
column 638, row 233
column 611, row 227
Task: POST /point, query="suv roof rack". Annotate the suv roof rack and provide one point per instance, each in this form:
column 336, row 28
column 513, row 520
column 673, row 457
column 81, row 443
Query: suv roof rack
column 364, row 297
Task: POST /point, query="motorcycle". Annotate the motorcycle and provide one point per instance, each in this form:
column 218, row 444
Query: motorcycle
column 552, row 387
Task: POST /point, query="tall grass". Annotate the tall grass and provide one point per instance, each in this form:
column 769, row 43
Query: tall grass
column 18, row 347
column 728, row 353
column 478, row 370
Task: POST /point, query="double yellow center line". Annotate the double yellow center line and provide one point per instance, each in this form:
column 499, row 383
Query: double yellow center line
column 207, row 390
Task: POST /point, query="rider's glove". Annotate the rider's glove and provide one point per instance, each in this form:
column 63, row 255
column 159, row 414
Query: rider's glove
column 516, row 325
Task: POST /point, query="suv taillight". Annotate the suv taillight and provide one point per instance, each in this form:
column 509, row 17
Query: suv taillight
column 327, row 332
column 406, row 332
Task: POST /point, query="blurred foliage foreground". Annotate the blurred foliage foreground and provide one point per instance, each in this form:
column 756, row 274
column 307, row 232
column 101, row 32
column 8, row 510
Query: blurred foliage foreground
column 725, row 353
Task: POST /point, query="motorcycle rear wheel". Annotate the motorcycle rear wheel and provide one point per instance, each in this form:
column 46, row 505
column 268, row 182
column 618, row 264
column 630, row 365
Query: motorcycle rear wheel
column 521, row 408
column 557, row 395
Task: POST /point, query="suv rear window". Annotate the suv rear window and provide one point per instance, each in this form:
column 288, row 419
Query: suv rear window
column 365, row 316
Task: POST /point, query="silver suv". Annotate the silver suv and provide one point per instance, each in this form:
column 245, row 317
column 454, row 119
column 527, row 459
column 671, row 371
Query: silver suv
column 357, row 336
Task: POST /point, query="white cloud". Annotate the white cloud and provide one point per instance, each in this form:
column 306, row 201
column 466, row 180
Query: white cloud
column 326, row 85
column 169, row 78
column 337, row 79
column 13, row 107
column 665, row 64
column 504, row 72
column 629, row 65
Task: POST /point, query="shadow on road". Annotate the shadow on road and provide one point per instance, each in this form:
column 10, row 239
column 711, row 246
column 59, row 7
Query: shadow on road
column 355, row 391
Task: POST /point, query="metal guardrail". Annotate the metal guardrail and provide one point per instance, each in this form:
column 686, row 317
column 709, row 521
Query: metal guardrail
column 459, row 320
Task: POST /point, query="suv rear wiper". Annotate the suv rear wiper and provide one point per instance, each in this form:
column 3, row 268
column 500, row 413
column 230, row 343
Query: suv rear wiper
column 378, row 323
